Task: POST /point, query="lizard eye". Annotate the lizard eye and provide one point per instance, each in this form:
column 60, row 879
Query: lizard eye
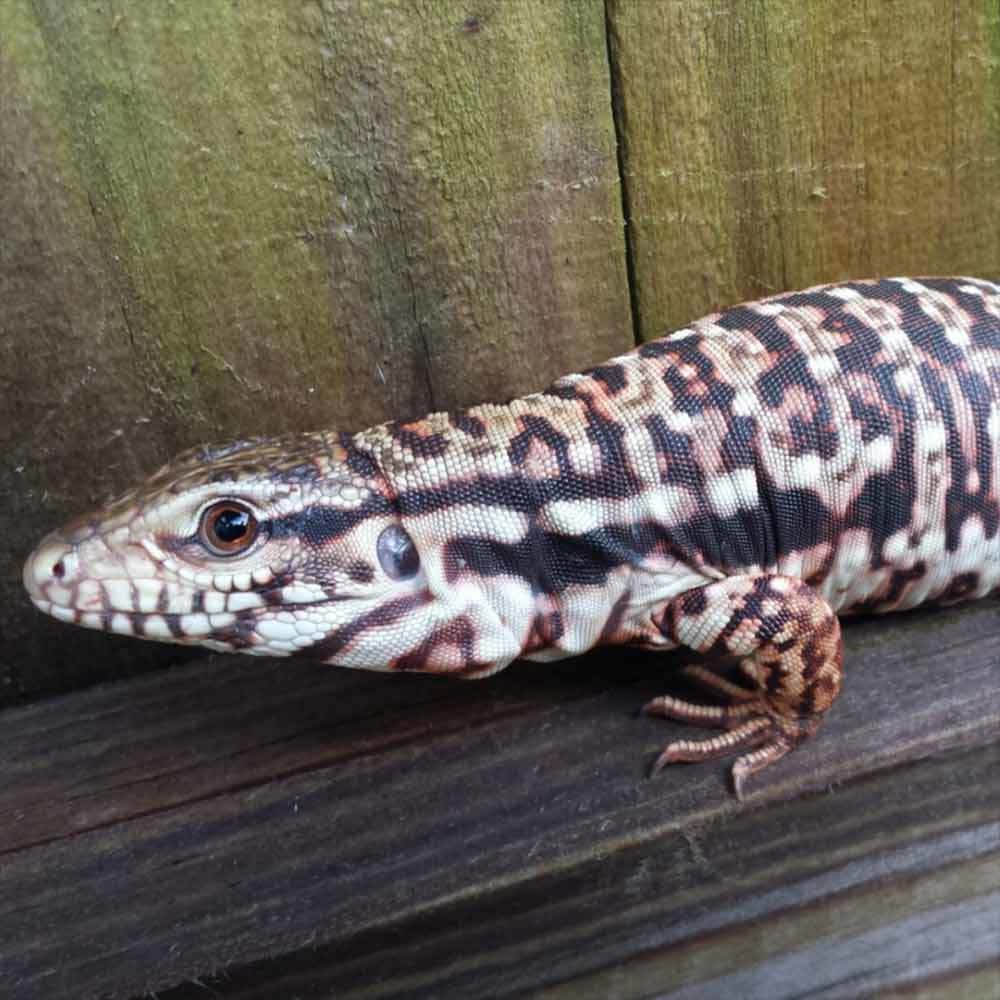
column 397, row 553
column 227, row 528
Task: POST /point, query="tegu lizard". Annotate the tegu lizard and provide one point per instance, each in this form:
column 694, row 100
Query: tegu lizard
column 730, row 488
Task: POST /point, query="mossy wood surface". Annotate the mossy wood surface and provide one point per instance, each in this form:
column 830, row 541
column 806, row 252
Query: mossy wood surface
column 772, row 144
column 228, row 219
column 225, row 219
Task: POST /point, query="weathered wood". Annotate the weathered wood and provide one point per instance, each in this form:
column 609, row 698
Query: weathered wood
column 773, row 145
column 306, row 831
column 229, row 219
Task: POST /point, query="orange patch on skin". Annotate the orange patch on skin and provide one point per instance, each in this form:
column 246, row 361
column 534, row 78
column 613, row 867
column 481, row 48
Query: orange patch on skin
column 540, row 461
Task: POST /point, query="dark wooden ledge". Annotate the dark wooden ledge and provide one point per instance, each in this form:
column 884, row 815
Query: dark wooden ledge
column 277, row 829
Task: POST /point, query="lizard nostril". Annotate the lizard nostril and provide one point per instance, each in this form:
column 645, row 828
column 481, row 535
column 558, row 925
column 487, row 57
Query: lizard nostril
column 54, row 564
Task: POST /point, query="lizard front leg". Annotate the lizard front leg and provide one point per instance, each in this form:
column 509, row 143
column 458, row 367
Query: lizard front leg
column 788, row 641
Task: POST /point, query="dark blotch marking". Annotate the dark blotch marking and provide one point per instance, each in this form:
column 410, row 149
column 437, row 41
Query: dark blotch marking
column 318, row 524
column 705, row 390
column 549, row 562
column 561, row 390
column 739, row 445
column 655, row 349
column 900, row 580
column 304, row 472
column 239, row 635
column 421, row 445
column 272, row 595
column 612, row 376
column 539, row 429
column 678, row 466
column 608, row 436
column 470, row 425
column 358, row 461
column 361, row 572
column 884, row 505
column 784, row 521
column 742, row 319
column 459, row 632
column 385, row 614
column 694, row 602
column 874, row 418
column 506, row 492
column 547, row 629
column 174, row 625
column 960, row 589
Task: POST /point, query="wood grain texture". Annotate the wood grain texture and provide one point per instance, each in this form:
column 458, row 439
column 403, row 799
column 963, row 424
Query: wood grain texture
column 303, row 831
column 775, row 144
column 230, row 219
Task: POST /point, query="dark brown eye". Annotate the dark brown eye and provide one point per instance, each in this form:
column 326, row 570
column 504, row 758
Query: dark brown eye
column 397, row 553
column 228, row 528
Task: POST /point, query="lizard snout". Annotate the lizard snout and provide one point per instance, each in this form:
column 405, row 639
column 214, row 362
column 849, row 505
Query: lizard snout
column 54, row 564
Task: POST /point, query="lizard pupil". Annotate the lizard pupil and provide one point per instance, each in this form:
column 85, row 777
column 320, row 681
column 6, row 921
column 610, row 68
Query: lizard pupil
column 397, row 553
column 228, row 528
column 232, row 525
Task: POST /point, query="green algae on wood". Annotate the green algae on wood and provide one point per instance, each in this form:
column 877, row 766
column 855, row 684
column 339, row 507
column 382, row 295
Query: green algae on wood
column 769, row 146
column 228, row 219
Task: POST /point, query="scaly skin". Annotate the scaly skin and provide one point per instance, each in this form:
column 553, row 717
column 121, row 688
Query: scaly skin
column 731, row 488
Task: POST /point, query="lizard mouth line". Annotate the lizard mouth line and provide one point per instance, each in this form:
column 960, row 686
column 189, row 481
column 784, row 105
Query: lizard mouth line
column 193, row 625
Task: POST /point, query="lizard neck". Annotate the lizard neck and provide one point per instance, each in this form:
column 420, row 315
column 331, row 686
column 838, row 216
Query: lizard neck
column 526, row 514
column 473, row 490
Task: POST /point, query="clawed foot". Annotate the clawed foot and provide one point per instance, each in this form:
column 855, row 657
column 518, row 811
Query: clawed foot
column 750, row 724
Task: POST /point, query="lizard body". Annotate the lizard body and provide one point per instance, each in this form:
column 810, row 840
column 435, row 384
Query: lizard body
column 731, row 488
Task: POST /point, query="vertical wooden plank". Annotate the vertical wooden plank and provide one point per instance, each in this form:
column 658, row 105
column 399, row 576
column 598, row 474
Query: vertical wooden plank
column 774, row 144
column 228, row 219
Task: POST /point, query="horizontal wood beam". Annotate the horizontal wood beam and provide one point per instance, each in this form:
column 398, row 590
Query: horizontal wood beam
column 385, row 835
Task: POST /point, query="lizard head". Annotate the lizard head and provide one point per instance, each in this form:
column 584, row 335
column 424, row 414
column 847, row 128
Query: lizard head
column 276, row 547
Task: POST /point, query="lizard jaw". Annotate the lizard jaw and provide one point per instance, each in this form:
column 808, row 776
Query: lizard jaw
column 87, row 583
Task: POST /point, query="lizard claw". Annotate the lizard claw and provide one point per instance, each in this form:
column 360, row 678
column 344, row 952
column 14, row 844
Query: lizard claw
column 749, row 725
column 757, row 733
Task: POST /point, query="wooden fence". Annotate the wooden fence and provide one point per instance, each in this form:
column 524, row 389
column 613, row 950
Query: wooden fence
column 223, row 219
